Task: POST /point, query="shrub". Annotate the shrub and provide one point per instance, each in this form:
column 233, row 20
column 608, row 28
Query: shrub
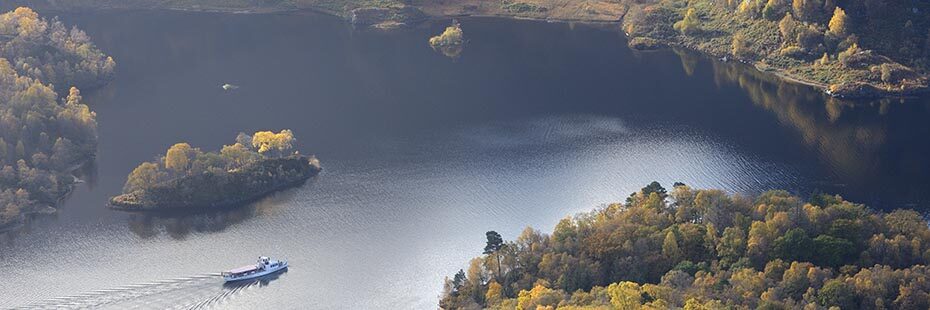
column 773, row 10
column 793, row 52
column 453, row 35
column 690, row 24
column 522, row 7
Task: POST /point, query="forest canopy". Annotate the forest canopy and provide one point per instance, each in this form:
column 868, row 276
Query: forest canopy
column 182, row 159
column 704, row 249
column 50, row 52
column 188, row 179
column 43, row 135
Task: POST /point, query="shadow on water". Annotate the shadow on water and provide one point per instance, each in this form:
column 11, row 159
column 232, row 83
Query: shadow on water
column 180, row 224
column 866, row 144
column 84, row 175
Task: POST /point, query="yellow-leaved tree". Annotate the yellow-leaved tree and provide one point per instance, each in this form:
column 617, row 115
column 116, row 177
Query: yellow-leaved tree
column 178, row 157
column 495, row 294
column 277, row 143
column 625, row 295
column 237, row 155
column 839, row 23
column 690, row 24
column 146, row 174
column 74, row 96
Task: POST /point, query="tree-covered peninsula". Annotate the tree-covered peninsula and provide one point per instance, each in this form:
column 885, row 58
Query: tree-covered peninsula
column 48, row 51
column 704, row 249
column 44, row 135
column 186, row 178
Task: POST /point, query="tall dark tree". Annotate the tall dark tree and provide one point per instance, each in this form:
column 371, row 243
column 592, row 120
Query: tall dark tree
column 494, row 245
column 655, row 187
column 458, row 280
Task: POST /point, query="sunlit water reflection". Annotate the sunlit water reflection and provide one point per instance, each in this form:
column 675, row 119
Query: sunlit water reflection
column 421, row 154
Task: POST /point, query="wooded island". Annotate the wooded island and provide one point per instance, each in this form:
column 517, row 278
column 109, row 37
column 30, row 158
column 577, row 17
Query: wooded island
column 186, row 178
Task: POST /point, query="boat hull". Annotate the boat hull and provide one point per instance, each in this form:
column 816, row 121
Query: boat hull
column 257, row 274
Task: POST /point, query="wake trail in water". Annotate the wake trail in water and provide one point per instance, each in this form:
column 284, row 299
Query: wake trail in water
column 195, row 292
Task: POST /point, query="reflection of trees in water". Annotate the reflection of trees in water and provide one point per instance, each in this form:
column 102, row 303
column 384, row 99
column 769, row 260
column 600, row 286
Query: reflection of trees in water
column 861, row 141
column 452, row 51
column 689, row 60
column 179, row 225
column 850, row 146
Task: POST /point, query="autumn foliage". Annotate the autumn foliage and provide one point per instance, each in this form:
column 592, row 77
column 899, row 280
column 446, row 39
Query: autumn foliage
column 42, row 135
column 704, row 249
column 182, row 159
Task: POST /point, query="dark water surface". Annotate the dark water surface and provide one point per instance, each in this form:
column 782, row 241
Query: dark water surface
column 422, row 154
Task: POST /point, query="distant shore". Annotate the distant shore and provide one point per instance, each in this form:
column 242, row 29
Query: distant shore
column 394, row 16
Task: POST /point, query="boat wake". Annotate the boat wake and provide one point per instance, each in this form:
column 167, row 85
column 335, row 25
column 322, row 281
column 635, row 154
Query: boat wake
column 197, row 292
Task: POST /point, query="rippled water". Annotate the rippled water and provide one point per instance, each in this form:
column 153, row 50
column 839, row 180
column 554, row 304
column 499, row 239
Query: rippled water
column 422, row 154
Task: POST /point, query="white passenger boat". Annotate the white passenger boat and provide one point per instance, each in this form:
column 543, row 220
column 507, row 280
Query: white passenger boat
column 265, row 266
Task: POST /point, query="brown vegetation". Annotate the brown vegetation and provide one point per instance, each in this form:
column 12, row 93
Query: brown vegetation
column 43, row 136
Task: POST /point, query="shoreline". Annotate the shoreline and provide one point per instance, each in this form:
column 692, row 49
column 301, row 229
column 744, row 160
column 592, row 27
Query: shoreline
column 848, row 92
column 783, row 75
column 222, row 205
column 50, row 208
column 171, row 196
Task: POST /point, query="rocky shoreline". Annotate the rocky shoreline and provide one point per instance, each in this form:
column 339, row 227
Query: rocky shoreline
column 853, row 90
column 51, row 208
column 210, row 191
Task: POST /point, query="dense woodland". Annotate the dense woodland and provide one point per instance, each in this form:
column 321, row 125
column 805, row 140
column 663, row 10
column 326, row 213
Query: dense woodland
column 183, row 160
column 50, row 52
column 850, row 47
column 704, row 249
column 43, row 135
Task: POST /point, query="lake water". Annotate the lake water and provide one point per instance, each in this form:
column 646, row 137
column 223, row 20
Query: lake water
column 422, row 154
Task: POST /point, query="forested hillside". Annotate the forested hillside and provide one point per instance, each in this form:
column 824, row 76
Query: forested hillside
column 704, row 249
column 43, row 135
